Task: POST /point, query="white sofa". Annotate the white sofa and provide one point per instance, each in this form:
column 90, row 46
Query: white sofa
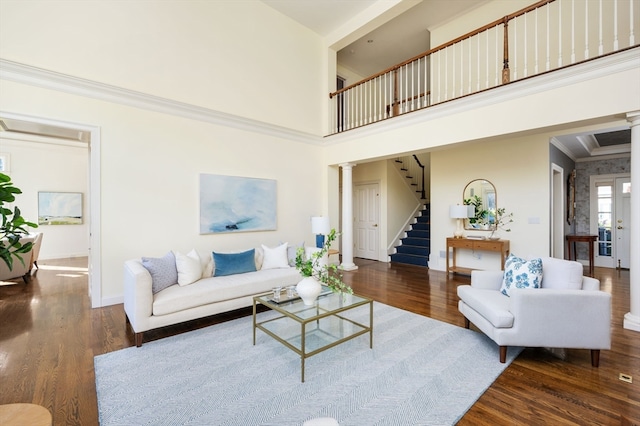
column 209, row 295
column 567, row 311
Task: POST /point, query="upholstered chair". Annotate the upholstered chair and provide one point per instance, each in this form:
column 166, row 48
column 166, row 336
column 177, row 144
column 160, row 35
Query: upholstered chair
column 19, row 269
column 558, row 308
column 35, row 251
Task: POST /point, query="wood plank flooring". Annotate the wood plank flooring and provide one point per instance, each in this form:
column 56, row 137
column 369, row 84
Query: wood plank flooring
column 49, row 335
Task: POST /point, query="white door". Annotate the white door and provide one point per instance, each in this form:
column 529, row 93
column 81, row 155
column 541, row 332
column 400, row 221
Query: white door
column 366, row 212
column 610, row 219
column 622, row 222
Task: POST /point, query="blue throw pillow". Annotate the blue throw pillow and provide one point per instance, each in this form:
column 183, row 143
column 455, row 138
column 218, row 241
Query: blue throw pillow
column 163, row 271
column 519, row 273
column 234, row 263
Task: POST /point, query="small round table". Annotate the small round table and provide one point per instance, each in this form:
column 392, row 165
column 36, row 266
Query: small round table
column 572, row 239
column 24, row 414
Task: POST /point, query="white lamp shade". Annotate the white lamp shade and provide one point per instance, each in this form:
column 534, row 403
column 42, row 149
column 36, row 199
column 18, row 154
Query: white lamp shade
column 320, row 225
column 458, row 211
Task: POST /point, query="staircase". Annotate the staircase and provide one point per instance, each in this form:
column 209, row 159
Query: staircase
column 415, row 247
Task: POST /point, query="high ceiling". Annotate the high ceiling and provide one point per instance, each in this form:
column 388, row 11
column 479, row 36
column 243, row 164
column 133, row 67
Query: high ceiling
column 407, row 36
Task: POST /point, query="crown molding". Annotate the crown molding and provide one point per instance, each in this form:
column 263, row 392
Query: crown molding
column 26, row 74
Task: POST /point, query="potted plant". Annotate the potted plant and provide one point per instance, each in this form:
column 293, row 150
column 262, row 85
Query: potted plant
column 317, row 272
column 13, row 224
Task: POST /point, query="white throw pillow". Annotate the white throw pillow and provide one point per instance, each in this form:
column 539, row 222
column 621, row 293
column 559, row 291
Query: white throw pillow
column 189, row 267
column 206, row 263
column 275, row 257
column 520, row 273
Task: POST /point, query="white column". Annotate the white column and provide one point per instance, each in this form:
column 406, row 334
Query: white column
column 347, row 217
column 632, row 318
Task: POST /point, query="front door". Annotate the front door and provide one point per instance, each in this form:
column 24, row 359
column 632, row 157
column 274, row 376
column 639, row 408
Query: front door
column 366, row 209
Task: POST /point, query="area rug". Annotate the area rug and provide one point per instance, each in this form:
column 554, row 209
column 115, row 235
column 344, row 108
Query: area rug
column 419, row 372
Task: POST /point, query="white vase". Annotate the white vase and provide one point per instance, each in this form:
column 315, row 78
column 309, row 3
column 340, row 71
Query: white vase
column 308, row 289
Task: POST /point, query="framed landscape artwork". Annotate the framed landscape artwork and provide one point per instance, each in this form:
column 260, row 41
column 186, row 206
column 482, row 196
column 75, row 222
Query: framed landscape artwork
column 59, row 208
column 237, row 204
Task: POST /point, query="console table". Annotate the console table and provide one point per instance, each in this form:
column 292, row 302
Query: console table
column 500, row 246
column 572, row 239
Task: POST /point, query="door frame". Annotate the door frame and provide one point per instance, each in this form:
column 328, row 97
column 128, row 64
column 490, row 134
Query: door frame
column 558, row 203
column 94, row 272
column 593, row 213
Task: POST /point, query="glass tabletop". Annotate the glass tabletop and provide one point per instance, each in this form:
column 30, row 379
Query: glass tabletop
column 328, row 302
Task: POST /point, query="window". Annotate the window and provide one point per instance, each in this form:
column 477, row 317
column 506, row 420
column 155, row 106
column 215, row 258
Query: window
column 605, row 218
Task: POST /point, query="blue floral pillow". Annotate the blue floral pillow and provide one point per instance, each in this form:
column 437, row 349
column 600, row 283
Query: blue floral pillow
column 520, row 273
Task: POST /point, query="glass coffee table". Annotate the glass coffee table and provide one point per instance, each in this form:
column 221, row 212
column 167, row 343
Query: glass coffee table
column 310, row 329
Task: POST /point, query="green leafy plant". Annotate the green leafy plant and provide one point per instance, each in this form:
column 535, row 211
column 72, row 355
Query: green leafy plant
column 481, row 214
column 327, row 274
column 13, row 224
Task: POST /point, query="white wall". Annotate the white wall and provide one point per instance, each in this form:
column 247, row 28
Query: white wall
column 150, row 163
column 241, row 57
column 50, row 166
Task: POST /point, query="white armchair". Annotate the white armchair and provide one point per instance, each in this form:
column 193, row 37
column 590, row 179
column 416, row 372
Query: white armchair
column 567, row 311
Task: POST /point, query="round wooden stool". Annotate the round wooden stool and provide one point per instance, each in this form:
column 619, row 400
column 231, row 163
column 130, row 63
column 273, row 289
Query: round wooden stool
column 24, row 414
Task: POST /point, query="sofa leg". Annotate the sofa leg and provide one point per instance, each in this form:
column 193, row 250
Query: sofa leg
column 503, row 354
column 466, row 323
column 595, row 357
column 138, row 339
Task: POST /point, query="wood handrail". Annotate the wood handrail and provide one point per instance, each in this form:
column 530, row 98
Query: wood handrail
column 504, row 20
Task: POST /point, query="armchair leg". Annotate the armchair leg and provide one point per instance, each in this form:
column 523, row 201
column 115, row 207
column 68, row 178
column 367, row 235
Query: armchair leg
column 595, row 357
column 503, row 354
column 466, row 323
column 138, row 339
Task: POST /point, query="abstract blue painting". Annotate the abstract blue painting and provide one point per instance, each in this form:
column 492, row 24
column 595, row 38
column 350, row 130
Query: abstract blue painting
column 237, row 204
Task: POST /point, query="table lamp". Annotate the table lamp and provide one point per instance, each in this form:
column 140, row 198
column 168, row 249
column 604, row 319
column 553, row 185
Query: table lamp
column 459, row 212
column 320, row 227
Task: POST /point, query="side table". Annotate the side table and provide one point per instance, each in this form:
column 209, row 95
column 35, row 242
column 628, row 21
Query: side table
column 572, row 239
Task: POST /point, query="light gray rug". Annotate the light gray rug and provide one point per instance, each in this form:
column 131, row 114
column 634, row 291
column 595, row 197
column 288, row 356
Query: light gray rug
column 419, row 372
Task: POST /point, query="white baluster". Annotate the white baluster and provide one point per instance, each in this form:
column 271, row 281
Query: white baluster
column 548, row 59
column 453, row 71
column 573, row 31
column 478, row 64
column 615, row 25
column 535, row 64
column 498, row 68
column 514, row 62
column 559, row 33
column 632, row 37
column 486, row 76
column 446, row 73
column 600, row 43
column 586, row 30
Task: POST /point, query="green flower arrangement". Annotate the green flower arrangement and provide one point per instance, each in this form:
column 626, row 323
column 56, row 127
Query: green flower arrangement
column 327, row 274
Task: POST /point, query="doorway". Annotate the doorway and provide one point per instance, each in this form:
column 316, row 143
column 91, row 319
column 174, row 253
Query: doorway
column 610, row 213
column 93, row 215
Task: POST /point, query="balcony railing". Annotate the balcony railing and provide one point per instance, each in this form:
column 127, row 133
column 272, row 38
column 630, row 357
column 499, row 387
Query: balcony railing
column 545, row 36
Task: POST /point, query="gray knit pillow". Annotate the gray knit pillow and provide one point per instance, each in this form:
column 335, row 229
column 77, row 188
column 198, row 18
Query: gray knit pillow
column 163, row 271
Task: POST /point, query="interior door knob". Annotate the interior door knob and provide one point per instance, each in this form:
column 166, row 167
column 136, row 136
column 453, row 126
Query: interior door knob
column 619, row 227
column 375, row 225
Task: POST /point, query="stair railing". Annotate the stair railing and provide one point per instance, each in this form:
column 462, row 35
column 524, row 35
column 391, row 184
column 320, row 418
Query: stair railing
column 414, row 172
column 545, row 36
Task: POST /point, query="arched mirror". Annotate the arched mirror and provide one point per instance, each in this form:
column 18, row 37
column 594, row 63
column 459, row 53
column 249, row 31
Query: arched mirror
column 481, row 194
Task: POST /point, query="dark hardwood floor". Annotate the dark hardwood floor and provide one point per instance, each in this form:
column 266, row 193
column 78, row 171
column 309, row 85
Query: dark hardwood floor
column 49, row 335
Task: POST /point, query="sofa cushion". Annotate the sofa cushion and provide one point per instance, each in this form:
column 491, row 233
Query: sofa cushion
column 189, row 267
column 561, row 274
column 521, row 273
column 275, row 257
column 163, row 271
column 221, row 288
column 491, row 304
column 234, row 263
